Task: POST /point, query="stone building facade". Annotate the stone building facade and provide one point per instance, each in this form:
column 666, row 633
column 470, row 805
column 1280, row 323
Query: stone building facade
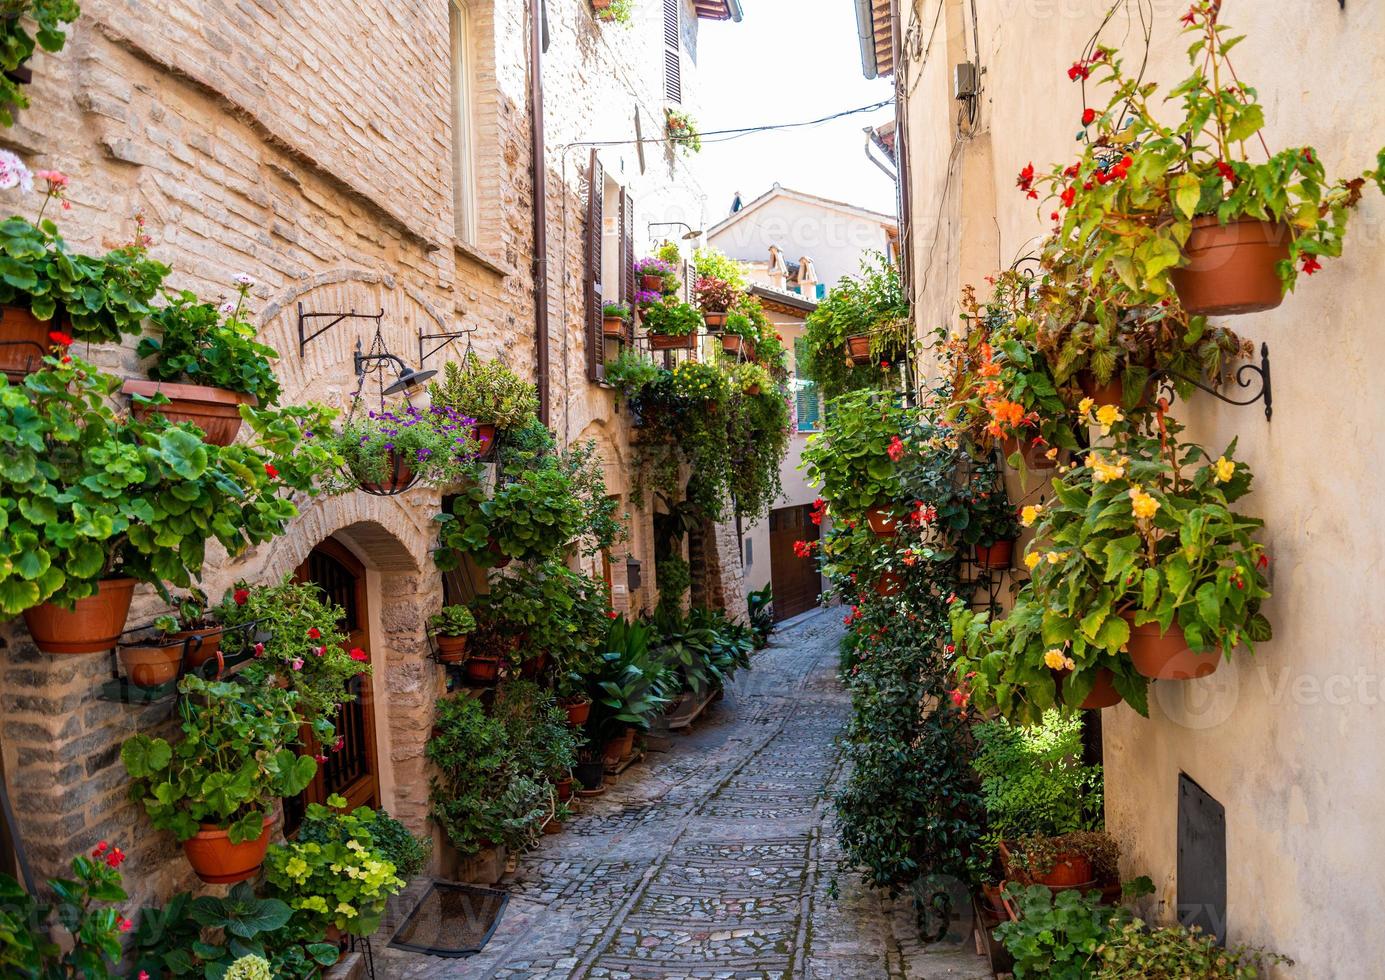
column 373, row 158
column 1283, row 741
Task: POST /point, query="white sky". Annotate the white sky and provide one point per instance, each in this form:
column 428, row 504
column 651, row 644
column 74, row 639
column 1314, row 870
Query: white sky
column 787, row 61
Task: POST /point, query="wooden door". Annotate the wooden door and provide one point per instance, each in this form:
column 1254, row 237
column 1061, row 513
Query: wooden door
column 795, row 580
column 353, row 771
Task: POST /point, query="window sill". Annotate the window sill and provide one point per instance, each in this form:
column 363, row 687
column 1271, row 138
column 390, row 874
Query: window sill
column 483, row 259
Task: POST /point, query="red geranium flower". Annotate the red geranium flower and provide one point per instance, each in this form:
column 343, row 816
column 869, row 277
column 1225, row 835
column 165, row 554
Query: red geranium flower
column 270, row 470
column 59, row 338
column 611, row 614
column 359, row 655
column 314, row 633
column 241, row 596
column 1088, row 116
column 1311, row 264
column 896, row 449
column 1079, row 69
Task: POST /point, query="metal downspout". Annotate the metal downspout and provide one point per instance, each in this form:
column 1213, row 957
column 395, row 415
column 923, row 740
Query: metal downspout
column 539, row 174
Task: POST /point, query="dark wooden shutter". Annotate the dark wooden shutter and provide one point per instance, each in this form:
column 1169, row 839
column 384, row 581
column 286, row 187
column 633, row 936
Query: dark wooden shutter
column 596, row 354
column 627, row 260
column 673, row 47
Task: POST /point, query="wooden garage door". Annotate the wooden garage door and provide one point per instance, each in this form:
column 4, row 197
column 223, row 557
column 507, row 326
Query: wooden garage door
column 796, row 580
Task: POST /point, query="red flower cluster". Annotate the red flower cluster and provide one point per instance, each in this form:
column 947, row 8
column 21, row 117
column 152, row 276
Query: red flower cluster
column 359, row 655
column 59, row 339
column 1088, row 116
column 1190, row 18
column 1225, row 170
column 804, row 549
column 896, row 449
column 1069, row 196
column 1311, row 264
column 1117, row 171
column 241, row 596
column 819, row 508
column 314, row 633
column 611, row 614
column 1080, row 69
column 923, row 515
column 113, row 856
column 852, row 616
column 270, row 471
column 1025, row 181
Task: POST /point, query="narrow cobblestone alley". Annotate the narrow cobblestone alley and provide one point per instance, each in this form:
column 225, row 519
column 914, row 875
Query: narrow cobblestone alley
column 716, row 859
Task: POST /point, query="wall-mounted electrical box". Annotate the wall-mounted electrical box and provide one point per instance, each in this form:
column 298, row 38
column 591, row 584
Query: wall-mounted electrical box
column 966, row 82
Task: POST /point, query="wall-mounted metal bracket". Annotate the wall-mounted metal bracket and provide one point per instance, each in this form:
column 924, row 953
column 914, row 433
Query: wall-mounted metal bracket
column 1243, row 380
column 305, row 338
column 445, row 338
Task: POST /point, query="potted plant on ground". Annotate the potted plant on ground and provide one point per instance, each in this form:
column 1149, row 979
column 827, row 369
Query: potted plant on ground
column 1182, row 209
column 682, row 131
column 450, row 630
column 657, row 275
column 671, row 325
column 614, row 318
column 738, row 336
column 714, row 297
column 487, row 391
column 216, row 788
column 50, row 290
column 856, row 460
column 204, row 366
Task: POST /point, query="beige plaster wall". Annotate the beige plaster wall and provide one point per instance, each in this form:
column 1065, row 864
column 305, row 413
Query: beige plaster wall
column 1286, row 740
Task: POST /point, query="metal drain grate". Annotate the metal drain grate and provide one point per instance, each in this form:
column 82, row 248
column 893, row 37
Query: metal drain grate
column 451, row 920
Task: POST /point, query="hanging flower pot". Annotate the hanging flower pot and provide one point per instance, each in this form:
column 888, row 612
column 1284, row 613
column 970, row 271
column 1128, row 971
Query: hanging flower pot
column 882, row 521
column 215, row 411
column 995, row 556
column 149, row 665
column 858, row 349
column 451, row 649
column 1103, row 693
column 714, row 321
column 651, row 284
column 484, row 434
column 1110, row 393
column 753, row 390
column 219, row 862
column 1232, row 268
column 661, row 341
column 578, row 709
column 482, row 670
column 91, row 626
column 23, row 342
column 399, row 476
column 888, row 584
column 205, row 646
column 1165, row 656
column 613, row 326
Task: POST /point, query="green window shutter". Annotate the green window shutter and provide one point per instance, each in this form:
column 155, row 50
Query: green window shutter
column 809, row 406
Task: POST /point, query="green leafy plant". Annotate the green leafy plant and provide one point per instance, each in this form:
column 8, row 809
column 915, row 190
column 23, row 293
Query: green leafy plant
column 196, row 345
column 671, row 319
column 699, row 382
column 632, row 683
column 602, row 527
column 307, row 650
column 234, row 760
column 1033, row 779
column 682, row 131
column 82, row 906
column 851, row 459
column 1057, row 935
column 675, row 578
column 665, row 266
column 1133, row 949
column 873, row 304
column 531, row 517
column 17, row 45
column 740, row 325
column 544, row 744
column 616, row 311
column 486, row 391
column 452, row 621
column 760, row 609
column 615, row 11
column 631, row 371
column 1128, row 203
column 713, row 263
column 336, row 876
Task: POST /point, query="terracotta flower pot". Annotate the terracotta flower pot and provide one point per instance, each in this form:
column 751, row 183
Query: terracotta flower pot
column 714, row 321
column 219, row 862
column 91, row 626
column 613, row 326
column 858, row 349
column 882, row 521
column 1035, row 457
column 484, row 434
column 215, row 411
column 451, row 649
column 1111, row 393
column 578, row 712
column 997, row 555
column 149, row 665
column 753, row 390
column 482, row 670
column 399, row 476
column 1232, row 268
column 1068, row 871
column 650, row 284
column 1165, row 656
column 1103, row 693
column 888, row 584
column 23, row 342
column 563, row 787
column 553, row 826
column 620, row 747
column 206, row 647
column 660, row 341
column 733, row 343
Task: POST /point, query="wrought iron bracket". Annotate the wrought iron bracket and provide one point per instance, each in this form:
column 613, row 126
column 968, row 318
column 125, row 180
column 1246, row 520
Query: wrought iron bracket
column 305, row 338
column 1243, row 380
column 446, row 339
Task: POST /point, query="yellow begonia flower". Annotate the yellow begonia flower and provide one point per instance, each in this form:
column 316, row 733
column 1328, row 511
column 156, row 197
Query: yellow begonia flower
column 1056, row 557
column 1030, row 514
column 1104, row 471
column 1085, row 405
column 1143, row 505
column 1055, row 659
column 1032, row 559
column 1107, row 416
column 1226, row 469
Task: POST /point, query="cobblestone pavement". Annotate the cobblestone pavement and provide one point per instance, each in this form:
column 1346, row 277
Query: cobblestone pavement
column 715, row 859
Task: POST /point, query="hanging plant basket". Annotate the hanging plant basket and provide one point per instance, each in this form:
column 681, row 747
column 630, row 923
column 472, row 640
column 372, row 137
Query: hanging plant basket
column 714, row 321
column 399, row 476
column 651, row 284
column 613, row 326
column 662, row 341
column 1165, row 656
column 1103, row 693
column 219, row 862
column 92, row 626
column 736, row 344
column 888, row 584
column 1232, row 268
column 995, row 556
column 23, row 342
column 858, row 350
column 215, row 411
column 148, row 664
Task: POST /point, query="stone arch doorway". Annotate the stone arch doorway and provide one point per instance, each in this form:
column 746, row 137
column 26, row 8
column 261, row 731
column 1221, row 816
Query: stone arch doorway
column 354, row 771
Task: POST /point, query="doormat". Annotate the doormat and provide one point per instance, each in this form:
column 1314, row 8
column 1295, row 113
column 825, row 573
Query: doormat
column 452, row 920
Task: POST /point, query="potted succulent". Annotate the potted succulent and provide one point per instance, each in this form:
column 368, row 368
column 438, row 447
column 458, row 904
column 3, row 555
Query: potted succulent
column 657, row 275
column 205, row 367
column 122, row 500
column 714, row 297
column 388, row 451
column 52, row 295
column 738, row 336
column 487, row 391
column 216, row 788
column 682, row 131
column 857, row 463
column 450, row 629
column 671, row 325
column 1181, row 209
column 614, row 318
